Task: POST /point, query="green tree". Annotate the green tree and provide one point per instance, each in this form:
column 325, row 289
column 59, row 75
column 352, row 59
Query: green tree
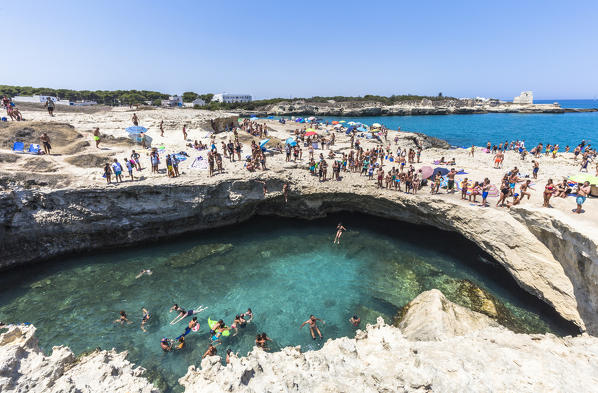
column 207, row 97
column 189, row 96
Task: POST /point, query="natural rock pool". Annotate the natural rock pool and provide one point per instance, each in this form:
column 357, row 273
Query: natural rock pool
column 284, row 269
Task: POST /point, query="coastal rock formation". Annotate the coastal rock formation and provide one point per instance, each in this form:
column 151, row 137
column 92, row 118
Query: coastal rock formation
column 25, row 368
column 37, row 225
column 406, row 108
column 441, row 347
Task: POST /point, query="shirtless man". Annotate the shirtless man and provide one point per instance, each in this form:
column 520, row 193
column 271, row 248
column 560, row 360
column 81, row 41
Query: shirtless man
column 45, row 139
column 161, row 127
column 498, row 159
column 135, row 119
column 212, row 351
column 451, row 181
column 582, row 193
column 96, row 137
column 313, row 327
column 523, row 189
column 339, row 232
column 355, row 320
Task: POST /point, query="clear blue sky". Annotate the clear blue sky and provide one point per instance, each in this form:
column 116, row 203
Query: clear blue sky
column 305, row 48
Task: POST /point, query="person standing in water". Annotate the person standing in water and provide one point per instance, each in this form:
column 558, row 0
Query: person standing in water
column 339, row 232
column 313, row 327
column 355, row 320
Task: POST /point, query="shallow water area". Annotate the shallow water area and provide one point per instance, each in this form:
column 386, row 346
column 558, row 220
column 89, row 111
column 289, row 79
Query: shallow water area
column 284, row 269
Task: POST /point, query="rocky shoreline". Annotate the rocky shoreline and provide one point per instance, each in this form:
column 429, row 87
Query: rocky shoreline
column 423, row 107
column 418, row 355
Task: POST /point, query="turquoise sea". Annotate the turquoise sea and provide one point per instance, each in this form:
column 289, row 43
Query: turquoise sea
column 465, row 130
column 284, row 269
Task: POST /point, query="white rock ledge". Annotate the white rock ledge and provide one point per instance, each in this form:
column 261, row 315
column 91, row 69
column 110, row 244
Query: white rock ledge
column 25, row 368
column 441, row 347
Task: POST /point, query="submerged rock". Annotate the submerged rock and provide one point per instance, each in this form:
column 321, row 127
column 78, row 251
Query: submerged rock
column 198, row 253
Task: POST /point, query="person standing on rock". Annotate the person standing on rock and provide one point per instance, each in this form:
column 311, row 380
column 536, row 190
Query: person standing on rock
column 45, row 139
column 96, row 137
column 50, row 105
column 582, row 193
column 118, row 170
column 313, row 327
column 107, row 172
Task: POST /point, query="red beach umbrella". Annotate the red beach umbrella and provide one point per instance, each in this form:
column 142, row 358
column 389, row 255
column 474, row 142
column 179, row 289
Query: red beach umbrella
column 427, row 171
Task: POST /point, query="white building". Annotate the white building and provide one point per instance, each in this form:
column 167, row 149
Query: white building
column 173, row 101
column 526, row 97
column 230, row 98
column 40, row 99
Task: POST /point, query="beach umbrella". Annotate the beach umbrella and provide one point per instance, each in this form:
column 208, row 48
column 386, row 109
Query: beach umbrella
column 583, row 177
column 493, row 191
column 376, row 125
column 310, row 132
column 362, row 129
column 291, row 142
column 342, row 121
column 263, row 142
column 442, row 171
column 338, row 125
column 135, row 129
column 335, row 122
column 427, row 171
column 351, row 123
column 311, row 118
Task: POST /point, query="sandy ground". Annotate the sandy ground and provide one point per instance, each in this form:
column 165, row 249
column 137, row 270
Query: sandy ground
column 83, row 168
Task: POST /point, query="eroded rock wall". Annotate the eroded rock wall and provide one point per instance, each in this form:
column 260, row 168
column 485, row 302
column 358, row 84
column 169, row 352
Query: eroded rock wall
column 38, row 225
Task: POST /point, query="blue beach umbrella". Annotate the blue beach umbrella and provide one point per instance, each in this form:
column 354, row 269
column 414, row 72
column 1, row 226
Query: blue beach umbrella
column 291, row 142
column 135, row 129
column 442, row 171
column 263, row 142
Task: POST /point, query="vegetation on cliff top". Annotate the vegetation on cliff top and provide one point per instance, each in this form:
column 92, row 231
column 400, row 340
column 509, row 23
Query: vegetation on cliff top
column 126, row 97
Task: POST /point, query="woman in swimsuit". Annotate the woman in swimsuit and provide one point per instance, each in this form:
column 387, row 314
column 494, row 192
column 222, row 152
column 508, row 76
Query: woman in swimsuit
column 355, row 320
column 339, row 232
column 248, row 315
column 548, row 191
column 313, row 327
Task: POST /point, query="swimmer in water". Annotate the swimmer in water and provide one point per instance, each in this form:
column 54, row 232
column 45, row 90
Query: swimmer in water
column 355, row 320
column 182, row 314
column 123, row 318
column 145, row 318
column 237, row 323
column 144, row 271
column 165, row 344
column 339, row 232
column 248, row 315
column 313, row 327
column 181, row 343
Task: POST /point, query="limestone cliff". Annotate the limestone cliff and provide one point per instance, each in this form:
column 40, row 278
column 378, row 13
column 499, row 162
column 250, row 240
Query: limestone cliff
column 37, row 225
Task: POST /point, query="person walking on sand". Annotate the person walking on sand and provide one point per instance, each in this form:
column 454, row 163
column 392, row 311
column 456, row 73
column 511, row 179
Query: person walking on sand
column 135, row 119
column 536, row 168
column 45, row 139
column 582, row 193
column 485, row 191
column 313, row 327
column 96, row 137
column 161, row 127
column 339, row 232
column 472, row 151
column 50, row 105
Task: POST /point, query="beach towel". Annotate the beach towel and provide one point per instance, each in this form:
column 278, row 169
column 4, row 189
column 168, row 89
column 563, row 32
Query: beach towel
column 18, row 147
column 180, row 157
column 199, row 164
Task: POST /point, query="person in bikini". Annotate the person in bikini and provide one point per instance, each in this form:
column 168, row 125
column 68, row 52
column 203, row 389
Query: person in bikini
column 238, row 323
column 313, row 327
column 182, row 314
column 355, row 320
column 247, row 316
column 339, row 232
